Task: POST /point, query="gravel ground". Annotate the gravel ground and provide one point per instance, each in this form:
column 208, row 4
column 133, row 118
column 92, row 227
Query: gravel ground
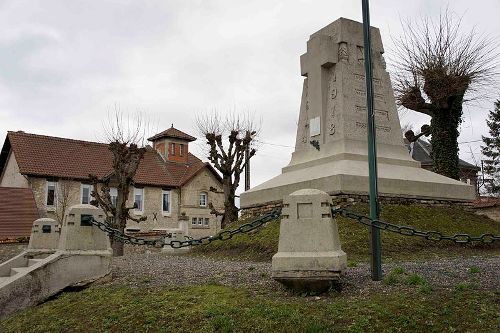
column 160, row 269
column 157, row 269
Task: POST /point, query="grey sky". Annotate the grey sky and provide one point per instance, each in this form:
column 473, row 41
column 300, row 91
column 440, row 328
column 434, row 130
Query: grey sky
column 64, row 64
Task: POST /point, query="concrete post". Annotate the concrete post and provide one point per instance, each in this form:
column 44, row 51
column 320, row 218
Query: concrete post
column 309, row 255
column 79, row 235
column 45, row 234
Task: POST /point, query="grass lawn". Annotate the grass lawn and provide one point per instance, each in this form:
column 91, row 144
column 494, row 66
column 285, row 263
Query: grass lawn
column 407, row 303
column 263, row 244
column 215, row 308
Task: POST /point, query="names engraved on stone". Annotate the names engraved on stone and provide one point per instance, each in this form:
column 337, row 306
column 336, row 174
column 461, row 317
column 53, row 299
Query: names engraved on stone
column 361, row 79
column 378, row 127
column 362, row 94
column 381, row 113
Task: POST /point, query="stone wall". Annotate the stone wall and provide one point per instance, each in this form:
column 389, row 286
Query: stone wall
column 345, row 200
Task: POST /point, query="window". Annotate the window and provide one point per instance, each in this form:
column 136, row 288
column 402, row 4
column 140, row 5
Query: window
column 200, row 220
column 113, row 193
column 139, row 199
column 165, row 202
column 181, row 150
column 203, row 199
column 194, row 221
column 207, row 220
column 85, row 193
column 51, row 194
column 172, row 149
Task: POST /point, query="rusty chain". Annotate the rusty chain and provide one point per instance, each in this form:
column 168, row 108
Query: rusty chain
column 117, row 235
column 488, row 238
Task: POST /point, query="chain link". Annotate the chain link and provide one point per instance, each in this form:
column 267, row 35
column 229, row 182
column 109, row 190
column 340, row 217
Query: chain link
column 119, row 236
column 410, row 231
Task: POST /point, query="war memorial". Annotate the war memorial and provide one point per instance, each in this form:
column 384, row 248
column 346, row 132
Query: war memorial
column 331, row 143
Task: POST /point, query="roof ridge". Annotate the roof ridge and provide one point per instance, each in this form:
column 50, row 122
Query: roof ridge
column 55, row 137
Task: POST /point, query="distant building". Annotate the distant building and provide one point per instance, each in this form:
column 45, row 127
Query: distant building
column 420, row 151
column 171, row 184
column 17, row 212
column 489, row 206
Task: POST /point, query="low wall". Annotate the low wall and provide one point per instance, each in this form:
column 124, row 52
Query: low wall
column 345, row 200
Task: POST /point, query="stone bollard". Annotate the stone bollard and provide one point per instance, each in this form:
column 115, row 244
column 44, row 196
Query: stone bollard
column 177, row 235
column 45, row 234
column 78, row 234
column 309, row 256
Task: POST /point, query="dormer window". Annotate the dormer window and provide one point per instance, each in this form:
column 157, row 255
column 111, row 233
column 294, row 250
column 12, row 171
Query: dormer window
column 181, row 149
column 172, row 149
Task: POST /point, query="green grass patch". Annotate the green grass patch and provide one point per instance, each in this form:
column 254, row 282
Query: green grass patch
column 262, row 244
column 212, row 308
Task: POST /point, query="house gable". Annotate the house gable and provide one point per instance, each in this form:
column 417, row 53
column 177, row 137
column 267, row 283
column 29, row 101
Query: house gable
column 10, row 175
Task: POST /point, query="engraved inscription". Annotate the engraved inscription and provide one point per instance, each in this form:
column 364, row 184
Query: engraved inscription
column 343, row 52
column 381, row 113
column 332, row 129
column 378, row 127
column 361, row 54
column 362, row 94
column 361, row 79
column 334, row 93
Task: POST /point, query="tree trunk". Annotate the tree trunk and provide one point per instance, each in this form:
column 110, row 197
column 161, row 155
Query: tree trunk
column 117, row 247
column 444, row 127
column 230, row 209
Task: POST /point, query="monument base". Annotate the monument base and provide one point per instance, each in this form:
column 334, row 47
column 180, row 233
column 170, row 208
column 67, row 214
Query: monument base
column 351, row 177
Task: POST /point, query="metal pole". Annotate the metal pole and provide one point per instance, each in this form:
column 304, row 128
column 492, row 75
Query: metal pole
column 247, row 169
column 376, row 259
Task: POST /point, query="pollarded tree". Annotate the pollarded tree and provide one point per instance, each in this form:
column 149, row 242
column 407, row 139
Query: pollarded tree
column 491, row 150
column 125, row 146
column 229, row 156
column 437, row 69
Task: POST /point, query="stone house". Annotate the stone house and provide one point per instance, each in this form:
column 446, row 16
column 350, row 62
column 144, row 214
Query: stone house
column 420, row 151
column 172, row 187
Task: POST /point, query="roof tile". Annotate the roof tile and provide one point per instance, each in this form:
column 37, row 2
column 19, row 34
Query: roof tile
column 17, row 212
column 48, row 156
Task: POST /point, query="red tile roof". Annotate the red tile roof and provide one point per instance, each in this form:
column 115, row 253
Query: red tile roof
column 172, row 133
column 47, row 156
column 17, row 212
column 486, row 202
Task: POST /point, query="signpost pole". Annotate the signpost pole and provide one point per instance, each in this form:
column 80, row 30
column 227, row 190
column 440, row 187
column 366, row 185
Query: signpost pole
column 376, row 258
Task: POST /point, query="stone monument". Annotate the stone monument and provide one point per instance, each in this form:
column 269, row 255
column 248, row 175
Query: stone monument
column 331, row 144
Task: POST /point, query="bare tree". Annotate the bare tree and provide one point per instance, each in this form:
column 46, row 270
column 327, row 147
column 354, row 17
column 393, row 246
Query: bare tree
column 126, row 139
column 228, row 157
column 438, row 68
column 65, row 196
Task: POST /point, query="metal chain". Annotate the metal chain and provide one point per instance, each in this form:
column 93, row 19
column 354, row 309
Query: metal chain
column 177, row 244
column 410, row 231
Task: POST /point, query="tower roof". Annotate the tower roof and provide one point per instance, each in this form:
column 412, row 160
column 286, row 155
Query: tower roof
column 172, row 133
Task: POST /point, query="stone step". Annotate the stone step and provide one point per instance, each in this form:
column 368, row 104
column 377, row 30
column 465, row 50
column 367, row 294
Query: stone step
column 3, row 279
column 31, row 262
column 17, row 270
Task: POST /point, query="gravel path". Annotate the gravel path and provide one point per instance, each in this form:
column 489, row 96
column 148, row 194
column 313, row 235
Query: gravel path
column 160, row 269
column 157, row 269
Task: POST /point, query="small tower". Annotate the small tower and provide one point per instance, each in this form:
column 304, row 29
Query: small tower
column 172, row 144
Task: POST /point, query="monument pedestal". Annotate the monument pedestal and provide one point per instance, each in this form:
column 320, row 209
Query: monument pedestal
column 331, row 145
column 309, row 255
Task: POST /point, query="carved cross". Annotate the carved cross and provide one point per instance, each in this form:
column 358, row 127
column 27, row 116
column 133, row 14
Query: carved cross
column 322, row 53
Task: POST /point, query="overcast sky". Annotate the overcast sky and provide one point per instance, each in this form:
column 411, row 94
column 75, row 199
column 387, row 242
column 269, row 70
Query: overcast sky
column 65, row 64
